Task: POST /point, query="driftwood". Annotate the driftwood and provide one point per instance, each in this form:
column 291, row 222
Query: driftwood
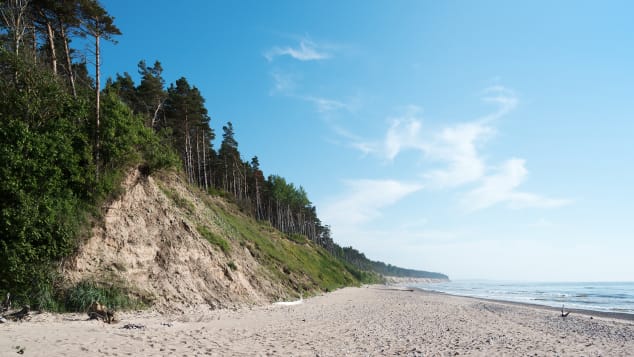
column 562, row 312
column 98, row 311
column 19, row 315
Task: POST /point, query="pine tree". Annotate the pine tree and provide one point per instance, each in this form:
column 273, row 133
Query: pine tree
column 99, row 24
column 186, row 116
column 151, row 95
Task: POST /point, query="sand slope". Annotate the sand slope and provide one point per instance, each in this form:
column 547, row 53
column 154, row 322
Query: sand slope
column 350, row 322
column 153, row 245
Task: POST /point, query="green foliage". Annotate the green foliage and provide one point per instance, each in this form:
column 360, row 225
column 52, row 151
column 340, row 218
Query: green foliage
column 287, row 193
column 45, row 177
column 232, row 266
column 125, row 139
column 214, row 239
column 157, row 152
column 80, row 296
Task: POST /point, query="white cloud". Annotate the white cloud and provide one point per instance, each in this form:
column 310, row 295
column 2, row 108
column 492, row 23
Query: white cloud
column 283, row 82
column 324, row 104
column 501, row 188
column 404, row 133
column 504, row 98
column 307, row 51
column 365, row 200
column 457, row 148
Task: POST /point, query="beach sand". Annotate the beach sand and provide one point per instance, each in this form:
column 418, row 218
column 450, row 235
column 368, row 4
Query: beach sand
column 371, row 320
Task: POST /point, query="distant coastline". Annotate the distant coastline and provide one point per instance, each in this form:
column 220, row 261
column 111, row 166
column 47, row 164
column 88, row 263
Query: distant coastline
column 399, row 280
column 594, row 299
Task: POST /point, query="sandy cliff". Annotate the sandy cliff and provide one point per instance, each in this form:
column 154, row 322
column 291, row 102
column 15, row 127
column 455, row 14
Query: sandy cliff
column 150, row 241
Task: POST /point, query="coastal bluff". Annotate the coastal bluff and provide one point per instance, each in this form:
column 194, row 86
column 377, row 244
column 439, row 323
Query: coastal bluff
column 171, row 246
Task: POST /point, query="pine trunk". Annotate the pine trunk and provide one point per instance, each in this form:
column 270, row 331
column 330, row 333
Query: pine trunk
column 69, row 62
column 205, row 163
column 51, row 46
column 97, row 102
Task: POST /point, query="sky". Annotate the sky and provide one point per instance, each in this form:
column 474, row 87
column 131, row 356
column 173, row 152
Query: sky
column 480, row 139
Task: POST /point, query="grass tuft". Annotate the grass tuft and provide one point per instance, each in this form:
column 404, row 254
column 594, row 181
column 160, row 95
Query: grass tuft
column 80, row 296
column 214, row 239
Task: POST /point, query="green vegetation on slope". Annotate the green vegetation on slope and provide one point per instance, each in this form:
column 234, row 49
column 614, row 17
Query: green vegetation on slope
column 48, row 185
column 299, row 263
column 214, row 239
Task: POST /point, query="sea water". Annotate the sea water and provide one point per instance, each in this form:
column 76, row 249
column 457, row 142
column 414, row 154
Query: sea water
column 602, row 296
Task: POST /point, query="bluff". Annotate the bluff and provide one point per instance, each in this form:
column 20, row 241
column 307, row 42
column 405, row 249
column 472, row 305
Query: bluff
column 167, row 244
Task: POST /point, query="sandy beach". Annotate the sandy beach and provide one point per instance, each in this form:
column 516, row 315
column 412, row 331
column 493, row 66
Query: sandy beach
column 371, row 320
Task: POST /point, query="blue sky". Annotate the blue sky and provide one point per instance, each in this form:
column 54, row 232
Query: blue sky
column 481, row 139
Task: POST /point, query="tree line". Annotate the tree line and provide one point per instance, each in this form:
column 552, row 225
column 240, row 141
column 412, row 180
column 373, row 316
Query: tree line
column 177, row 112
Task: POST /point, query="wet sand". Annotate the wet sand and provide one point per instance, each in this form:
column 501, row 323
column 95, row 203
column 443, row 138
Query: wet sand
column 372, row 320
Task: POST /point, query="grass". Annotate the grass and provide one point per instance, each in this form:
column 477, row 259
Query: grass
column 81, row 295
column 297, row 238
column 214, row 239
column 181, row 202
column 292, row 259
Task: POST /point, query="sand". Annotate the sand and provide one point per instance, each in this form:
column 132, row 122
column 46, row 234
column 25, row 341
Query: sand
column 371, row 320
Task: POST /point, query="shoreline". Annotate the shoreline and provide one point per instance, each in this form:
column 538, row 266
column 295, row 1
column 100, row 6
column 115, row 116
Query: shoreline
column 593, row 313
column 369, row 320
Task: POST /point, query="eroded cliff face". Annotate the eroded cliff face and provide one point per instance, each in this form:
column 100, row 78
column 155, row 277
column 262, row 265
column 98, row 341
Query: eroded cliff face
column 150, row 240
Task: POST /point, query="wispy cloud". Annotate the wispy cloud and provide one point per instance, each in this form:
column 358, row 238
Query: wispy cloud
column 503, row 97
column 364, row 201
column 403, row 134
column 325, row 105
column 306, row 51
column 455, row 146
column 286, row 83
column 457, row 149
column 501, row 188
column 283, row 82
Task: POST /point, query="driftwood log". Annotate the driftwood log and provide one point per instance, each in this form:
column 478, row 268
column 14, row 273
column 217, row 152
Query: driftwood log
column 19, row 315
column 562, row 312
column 98, row 311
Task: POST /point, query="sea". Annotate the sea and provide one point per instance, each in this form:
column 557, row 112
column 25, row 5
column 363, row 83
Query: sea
column 615, row 297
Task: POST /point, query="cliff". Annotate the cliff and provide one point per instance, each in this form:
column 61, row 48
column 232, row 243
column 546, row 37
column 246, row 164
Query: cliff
column 169, row 245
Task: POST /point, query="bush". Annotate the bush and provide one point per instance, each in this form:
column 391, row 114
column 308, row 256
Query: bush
column 125, row 139
column 45, row 178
